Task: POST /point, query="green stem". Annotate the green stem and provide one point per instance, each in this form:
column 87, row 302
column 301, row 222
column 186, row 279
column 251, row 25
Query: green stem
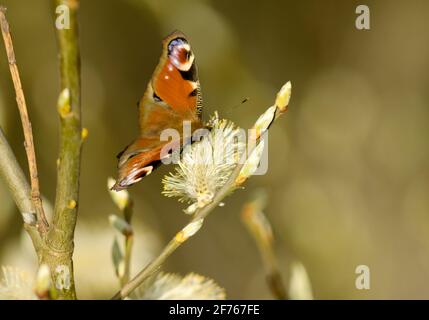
column 149, row 270
column 129, row 239
column 60, row 243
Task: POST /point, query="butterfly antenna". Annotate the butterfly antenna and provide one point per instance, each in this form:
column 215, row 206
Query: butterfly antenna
column 229, row 110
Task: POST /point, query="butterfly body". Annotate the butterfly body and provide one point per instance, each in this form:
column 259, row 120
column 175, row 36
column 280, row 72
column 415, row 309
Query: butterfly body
column 172, row 97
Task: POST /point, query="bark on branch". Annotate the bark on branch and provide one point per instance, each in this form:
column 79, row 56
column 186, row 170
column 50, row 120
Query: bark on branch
column 42, row 223
column 60, row 237
column 19, row 188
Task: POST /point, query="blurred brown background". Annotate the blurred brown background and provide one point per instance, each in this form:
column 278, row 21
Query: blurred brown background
column 348, row 177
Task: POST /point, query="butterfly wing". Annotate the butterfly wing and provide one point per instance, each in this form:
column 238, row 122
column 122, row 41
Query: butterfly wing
column 172, row 96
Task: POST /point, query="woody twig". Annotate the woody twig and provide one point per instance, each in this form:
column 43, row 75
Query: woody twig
column 54, row 243
column 42, row 223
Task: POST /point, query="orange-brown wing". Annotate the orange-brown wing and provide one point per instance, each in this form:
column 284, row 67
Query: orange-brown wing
column 139, row 159
column 172, row 96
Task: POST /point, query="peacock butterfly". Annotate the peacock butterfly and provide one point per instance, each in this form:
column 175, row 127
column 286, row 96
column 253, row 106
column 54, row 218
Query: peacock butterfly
column 172, row 97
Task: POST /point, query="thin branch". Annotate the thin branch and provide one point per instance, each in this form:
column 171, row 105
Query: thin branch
column 18, row 186
column 260, row 229
column 149, row 270
column 122, row 261
column 60, row 243
column 42, row 223
column 69, row 108
column 15, row 180
column 128, row 243
column 55, row 248
column 195, row 223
